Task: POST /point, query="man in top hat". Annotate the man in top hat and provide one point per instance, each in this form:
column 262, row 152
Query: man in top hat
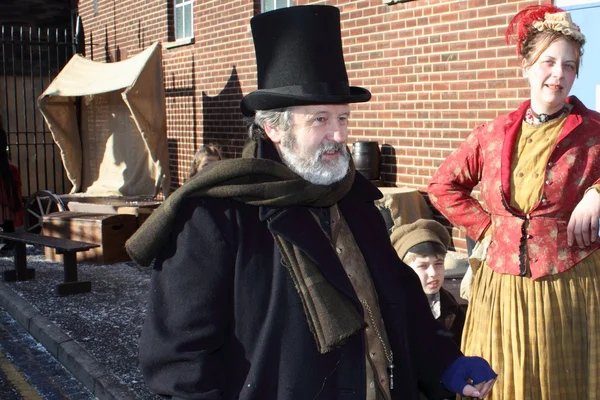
column 422, row 246
column 274, row 277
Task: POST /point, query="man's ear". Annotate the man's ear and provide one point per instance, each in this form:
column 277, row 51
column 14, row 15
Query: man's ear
column 273, row 133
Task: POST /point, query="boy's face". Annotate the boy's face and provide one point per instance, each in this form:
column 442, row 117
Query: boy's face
column 431, row 272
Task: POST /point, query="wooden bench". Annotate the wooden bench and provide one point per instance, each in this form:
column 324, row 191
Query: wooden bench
column 68, row 248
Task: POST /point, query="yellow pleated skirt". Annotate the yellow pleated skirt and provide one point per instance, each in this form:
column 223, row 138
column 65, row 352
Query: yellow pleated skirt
column 542, row 337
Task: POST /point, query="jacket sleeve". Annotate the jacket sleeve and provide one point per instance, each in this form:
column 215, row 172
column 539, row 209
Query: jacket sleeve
column 182, row 352
column 451, row 186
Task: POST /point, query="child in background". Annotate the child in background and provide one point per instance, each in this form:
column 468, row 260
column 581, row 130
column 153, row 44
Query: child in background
column 203, row 157
column 423, row 245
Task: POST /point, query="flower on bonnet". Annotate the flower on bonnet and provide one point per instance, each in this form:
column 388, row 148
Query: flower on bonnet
column 560, row 22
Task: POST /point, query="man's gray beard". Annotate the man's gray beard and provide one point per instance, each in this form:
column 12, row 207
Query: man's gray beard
column 314, row 169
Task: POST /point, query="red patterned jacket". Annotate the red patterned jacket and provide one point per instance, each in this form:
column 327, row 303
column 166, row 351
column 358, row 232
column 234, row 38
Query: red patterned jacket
column 537, row 240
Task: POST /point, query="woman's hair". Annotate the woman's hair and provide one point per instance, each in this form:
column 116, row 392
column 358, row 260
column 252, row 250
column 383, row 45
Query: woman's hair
column 536, row 27
column 7, row 183
column 210, row 150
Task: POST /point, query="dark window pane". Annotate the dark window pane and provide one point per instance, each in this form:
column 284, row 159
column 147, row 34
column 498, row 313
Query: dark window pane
column 187, row 20
column 268, row 5
column 283, row 3
column 178, row 22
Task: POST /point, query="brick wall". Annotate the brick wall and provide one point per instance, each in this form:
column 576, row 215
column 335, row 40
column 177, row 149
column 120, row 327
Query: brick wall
column 204, row 81
column 436, row 69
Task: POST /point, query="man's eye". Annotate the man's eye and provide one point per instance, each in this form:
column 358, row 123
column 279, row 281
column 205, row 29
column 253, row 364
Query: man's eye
column 320, row 119
column 343, row 120
column 570, row 66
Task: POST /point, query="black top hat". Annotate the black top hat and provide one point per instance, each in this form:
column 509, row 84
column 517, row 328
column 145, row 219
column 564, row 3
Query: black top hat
column 299, row 60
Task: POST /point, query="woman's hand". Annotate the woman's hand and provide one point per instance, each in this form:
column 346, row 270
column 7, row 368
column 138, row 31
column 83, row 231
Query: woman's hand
column 583, row 224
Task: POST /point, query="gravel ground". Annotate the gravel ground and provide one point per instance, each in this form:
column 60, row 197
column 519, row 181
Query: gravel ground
column 106, row 322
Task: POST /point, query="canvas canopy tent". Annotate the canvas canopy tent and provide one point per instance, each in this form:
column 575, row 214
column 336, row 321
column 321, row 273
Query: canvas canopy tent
column 117, row 145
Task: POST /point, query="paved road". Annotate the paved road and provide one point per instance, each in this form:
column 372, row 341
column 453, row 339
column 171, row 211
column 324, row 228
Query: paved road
column 29, row 372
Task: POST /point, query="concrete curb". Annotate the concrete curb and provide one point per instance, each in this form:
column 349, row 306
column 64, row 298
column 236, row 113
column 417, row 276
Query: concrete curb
column 71, row 354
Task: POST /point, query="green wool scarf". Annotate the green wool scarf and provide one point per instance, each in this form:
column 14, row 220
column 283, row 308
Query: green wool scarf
column 331, row 316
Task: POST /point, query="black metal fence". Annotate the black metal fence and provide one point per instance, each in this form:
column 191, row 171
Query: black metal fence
column 29, row 61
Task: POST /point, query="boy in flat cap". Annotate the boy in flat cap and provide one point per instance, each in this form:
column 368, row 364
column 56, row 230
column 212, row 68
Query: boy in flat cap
column 423, row 245
column 274, row 277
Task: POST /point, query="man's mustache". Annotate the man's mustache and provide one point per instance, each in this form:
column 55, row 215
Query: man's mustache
column 329, row 147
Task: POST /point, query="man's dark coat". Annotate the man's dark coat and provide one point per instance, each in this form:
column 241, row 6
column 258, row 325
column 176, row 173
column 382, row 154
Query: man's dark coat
column 225, row 321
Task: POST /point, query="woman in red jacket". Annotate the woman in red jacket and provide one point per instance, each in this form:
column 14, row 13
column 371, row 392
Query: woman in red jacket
column 10, row 190
column 534, row 309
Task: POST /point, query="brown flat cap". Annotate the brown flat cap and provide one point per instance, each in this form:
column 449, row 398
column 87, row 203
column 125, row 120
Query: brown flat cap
column 407, row 236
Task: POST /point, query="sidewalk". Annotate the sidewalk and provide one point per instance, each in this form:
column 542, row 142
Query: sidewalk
column 94, row 335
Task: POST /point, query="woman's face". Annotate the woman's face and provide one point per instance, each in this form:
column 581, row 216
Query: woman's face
column 551, row 77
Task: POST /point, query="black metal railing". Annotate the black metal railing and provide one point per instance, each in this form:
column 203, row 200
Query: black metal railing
column 30, row 58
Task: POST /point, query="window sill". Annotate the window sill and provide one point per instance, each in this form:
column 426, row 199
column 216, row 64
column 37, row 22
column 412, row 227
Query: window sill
column 179, row 43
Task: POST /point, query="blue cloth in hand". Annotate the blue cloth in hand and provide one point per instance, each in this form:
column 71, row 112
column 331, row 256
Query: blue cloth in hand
column 463, row 368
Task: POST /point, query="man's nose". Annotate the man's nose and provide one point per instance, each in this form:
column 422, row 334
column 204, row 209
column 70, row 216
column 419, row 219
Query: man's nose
column 431, row 271
column 338, row 131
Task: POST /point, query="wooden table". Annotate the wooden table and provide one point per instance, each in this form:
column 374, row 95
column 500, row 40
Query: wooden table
column 406, row 205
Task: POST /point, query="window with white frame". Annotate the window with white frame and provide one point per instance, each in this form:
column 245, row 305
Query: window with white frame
column 269, row 5
column 183, row 19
